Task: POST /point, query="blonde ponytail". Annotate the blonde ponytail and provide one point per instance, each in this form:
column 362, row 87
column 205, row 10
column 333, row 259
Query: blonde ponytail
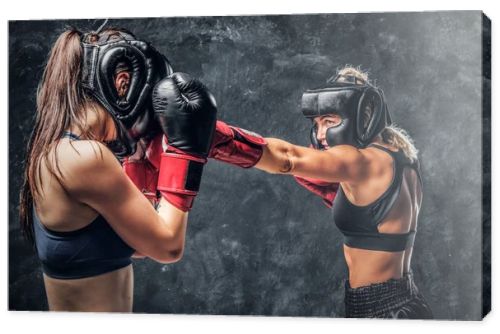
column 391, row 135
column 399, row 138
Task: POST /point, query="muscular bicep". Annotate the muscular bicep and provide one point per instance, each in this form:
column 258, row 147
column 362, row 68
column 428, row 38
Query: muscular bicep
column 338, row 164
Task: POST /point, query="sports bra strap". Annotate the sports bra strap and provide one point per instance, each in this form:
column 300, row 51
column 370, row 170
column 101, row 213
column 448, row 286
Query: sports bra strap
column 398, row 155
column 383, row 148
column 70, row 135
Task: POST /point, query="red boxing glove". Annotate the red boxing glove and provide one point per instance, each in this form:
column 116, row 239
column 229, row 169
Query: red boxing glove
column 177, row 175
column 144, row 175
column 179, row 178
column 236, row 146
column 324, row 189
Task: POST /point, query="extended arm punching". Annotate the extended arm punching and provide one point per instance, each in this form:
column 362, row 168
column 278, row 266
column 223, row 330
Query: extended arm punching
column 322, row 168
column 338, row 164
column 318, row 171
column 246, row 149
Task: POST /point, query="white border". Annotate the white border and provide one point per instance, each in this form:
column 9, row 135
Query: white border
column 42, row 322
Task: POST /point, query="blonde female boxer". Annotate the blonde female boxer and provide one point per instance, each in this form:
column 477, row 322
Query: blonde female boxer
column 367, row 171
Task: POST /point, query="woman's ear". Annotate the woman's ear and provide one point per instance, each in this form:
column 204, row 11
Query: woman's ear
column 122, row 83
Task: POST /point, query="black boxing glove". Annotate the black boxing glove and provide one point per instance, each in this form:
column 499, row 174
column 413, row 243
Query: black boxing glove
column 187, row 113
column 146, row 126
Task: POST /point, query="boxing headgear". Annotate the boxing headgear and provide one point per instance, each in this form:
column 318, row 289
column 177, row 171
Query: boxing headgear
column 350, row 101
column 132, row 113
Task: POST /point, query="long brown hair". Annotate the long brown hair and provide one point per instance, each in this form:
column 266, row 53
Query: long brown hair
column 62, row 103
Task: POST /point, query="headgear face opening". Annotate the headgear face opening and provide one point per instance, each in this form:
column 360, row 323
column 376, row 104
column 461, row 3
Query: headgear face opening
column 131, row 111
column 362, row 108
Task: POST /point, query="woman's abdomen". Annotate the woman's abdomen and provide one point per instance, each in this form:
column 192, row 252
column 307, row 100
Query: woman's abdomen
column 109, row 292
column 369, row 267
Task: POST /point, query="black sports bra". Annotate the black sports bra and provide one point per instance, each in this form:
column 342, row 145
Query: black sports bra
column 90, row 251
column 359, row 224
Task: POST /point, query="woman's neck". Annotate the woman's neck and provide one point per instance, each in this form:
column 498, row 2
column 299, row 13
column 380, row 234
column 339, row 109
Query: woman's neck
column 98, row 125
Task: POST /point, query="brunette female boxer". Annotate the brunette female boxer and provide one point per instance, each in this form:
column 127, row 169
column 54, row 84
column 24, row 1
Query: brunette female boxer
column 368, row 170
column 99, row 93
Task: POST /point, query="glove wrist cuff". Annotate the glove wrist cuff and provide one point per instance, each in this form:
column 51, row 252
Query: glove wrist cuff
column 179, row 178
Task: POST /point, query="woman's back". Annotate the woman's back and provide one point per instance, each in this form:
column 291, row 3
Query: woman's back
column 401, row 195
column 56, row 208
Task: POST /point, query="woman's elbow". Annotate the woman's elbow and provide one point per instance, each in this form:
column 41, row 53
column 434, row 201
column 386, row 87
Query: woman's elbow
column 170, row 254
column 277, row 158
column 170, row 249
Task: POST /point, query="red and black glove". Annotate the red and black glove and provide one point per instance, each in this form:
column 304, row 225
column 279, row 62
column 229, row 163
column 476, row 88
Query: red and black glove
column 324, row 189
column 187, row 113
column 236, row 146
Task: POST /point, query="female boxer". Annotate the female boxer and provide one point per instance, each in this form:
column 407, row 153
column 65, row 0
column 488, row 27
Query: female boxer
column 85, row 216
column 370, row 168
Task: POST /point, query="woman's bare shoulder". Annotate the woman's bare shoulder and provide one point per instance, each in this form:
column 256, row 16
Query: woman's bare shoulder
column 81, row 152
column 82, row 162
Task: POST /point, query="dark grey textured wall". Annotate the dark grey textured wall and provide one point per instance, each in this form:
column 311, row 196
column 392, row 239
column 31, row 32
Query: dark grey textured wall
column 258, row 243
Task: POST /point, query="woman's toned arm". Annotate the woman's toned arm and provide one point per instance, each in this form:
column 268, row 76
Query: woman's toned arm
column 93, row 176
column 342, row 163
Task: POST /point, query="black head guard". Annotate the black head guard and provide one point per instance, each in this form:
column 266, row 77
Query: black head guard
column 132, row 112
column 350, row 101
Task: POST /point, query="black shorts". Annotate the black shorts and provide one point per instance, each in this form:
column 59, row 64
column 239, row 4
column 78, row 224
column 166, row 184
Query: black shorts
column 396, row 299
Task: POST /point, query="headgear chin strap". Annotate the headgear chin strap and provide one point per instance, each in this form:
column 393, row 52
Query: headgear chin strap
column 362, row 108
column 147, row 66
